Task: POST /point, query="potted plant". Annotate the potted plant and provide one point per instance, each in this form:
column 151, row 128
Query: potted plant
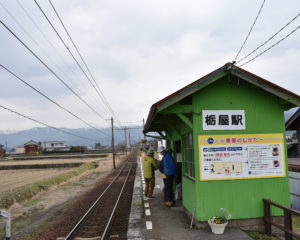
column 219, row 222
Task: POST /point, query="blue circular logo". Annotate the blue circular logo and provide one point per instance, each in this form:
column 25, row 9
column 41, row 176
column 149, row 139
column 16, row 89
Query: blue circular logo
column 210, row 140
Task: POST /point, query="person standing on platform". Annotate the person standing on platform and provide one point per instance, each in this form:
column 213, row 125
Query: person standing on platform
column 168, row 170
column 150, row 165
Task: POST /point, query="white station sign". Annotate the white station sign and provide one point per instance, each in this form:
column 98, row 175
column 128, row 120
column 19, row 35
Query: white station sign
column 223, row 120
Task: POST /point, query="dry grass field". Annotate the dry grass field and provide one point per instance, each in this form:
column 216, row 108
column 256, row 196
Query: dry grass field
column 11, row 179
column 50, row 161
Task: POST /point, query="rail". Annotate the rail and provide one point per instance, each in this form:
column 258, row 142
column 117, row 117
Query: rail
column 72, row 233
column 288, row 225
column 109, row 223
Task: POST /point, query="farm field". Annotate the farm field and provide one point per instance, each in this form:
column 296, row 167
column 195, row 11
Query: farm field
column 10, row 179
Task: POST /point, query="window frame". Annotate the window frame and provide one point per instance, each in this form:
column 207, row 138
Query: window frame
column 188, row 156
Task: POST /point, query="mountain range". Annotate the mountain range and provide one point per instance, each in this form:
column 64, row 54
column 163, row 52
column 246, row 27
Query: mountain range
column 41, row 134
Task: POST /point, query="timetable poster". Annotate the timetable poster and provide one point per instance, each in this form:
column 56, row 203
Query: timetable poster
column 225, row 157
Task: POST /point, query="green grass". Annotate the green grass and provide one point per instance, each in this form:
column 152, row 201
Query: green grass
column 260, row 236
column 8, row 198
column 296, row 222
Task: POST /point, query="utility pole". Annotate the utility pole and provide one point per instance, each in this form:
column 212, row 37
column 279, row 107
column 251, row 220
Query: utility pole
column 125, row 130
column 144, row 127
column 113, row 142
column 125, row 133
column 129, row 141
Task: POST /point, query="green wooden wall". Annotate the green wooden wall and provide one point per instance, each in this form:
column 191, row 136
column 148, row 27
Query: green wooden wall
column 242, row 198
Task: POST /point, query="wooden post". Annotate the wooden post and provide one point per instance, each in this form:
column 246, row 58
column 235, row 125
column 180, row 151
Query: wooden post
column 267, row 216
column 288, row 224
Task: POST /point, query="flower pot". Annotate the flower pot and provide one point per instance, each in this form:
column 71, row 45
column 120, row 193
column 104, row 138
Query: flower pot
column 217, row 228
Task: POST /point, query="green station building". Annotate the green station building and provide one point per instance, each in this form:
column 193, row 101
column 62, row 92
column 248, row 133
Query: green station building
column 227, row 131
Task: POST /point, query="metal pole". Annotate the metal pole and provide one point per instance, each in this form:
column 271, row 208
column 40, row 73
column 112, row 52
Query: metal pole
column 113, row 142
column 8, row 224
column 125, row 129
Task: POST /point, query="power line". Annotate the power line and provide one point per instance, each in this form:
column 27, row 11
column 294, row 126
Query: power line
column 77, row 50
column 249, row 31
column 30, row 36
column 269, row 39
column 70, row 52
column 50, row 69
column 286, row 36
column 48, row 98
column 49, row 42
column 22, row 115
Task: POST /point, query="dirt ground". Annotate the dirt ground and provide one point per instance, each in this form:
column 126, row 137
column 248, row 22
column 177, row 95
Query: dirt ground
column 35, row 214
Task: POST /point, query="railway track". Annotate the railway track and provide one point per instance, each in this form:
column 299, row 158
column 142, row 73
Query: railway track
column 108, row 216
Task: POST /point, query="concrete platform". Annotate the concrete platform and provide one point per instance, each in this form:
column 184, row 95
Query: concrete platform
column 159, row 222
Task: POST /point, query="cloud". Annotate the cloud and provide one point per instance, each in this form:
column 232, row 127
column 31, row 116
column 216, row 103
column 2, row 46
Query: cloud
column 139, row 52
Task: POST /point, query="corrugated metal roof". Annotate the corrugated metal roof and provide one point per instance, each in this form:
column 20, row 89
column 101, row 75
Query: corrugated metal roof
column 228, row 68
column 294, row 121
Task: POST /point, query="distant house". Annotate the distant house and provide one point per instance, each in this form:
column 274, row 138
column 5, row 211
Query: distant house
column 31, row 147
column 2, row 150
column 20, row 150
column 49, row 146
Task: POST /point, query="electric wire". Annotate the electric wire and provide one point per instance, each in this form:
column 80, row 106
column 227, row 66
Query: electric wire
column 35, row 42
column 55, row 49
column 50, row 69
column 286, row 36
column 84, row 62
column 68, row 49
column 51, row 100
column 269, row 39
column 250, row 31
column 47, row 125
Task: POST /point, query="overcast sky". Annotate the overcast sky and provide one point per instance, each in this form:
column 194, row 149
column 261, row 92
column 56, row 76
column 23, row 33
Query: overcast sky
column 138, row 50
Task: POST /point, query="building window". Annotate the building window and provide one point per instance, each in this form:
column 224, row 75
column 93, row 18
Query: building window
column 188, row 150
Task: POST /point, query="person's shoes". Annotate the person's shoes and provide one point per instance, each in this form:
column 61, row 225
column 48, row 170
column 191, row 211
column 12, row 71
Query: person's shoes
column 169, row 204
column 151, row 197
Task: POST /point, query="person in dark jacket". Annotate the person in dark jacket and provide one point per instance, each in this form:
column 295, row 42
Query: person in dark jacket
column 168, row 170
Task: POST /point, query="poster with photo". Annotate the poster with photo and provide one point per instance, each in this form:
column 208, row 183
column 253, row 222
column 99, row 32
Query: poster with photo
column 243, row 156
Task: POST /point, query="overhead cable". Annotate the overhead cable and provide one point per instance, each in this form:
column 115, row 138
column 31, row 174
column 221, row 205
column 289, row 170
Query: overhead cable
column 32, row 38
column 84, row 62
column 70, row 52
column 50, row 69
column 269, row 39
column 250, row 30
column 69, row 133
column 286, row 36
column 50, row 43
column 48, row 98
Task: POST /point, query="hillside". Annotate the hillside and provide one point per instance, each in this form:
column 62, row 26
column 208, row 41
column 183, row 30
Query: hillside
column 47, row 134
